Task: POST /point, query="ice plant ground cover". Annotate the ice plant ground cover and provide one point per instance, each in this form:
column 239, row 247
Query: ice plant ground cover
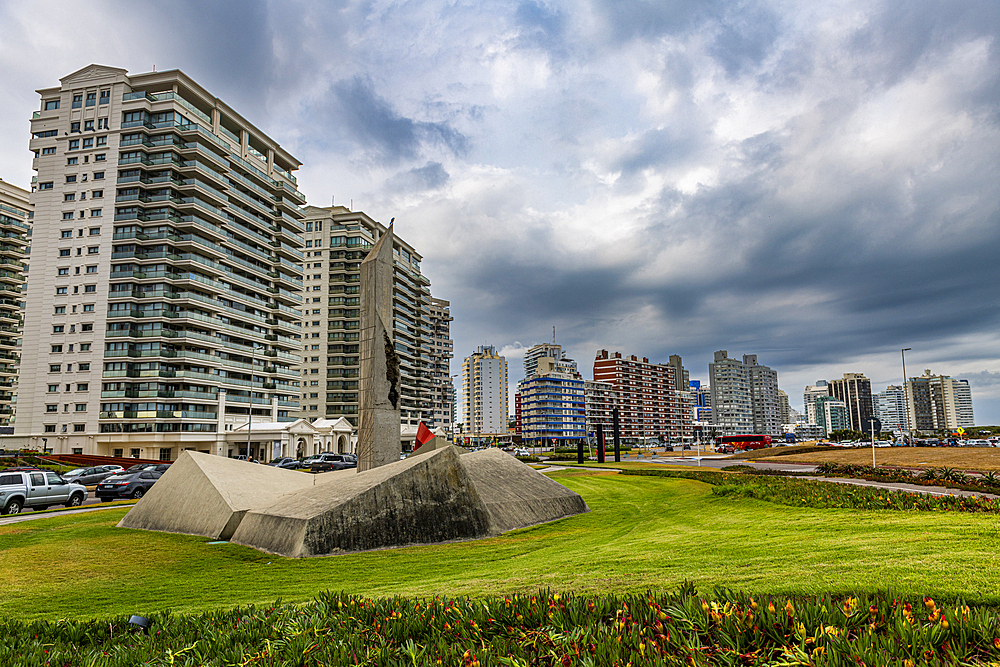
column 544, row 629
column 809, row 493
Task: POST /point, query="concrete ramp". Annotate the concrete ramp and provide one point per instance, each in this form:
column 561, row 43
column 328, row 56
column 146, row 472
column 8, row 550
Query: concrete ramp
column 203, row 494
column 419, row 500
column 515, row 495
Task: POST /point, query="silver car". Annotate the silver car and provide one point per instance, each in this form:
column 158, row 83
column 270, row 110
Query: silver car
column 37, row 490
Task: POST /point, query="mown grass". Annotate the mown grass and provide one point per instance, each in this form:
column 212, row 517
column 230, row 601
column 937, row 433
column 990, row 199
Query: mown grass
column 644, row 533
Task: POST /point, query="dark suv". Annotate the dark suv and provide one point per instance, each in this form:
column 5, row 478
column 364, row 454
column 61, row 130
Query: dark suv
column 127, row 484
column 328, row 462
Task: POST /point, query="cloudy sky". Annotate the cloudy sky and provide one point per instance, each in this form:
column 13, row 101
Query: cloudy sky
column 815, row 183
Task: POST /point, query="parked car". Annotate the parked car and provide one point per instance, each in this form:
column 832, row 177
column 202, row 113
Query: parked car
column 155, row 467
column 328, row 462
column 127, row 485
column 37, row 490
column 284, row 462
column 88, row 476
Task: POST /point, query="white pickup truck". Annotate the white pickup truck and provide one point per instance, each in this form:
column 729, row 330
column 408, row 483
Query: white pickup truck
column 37, row 489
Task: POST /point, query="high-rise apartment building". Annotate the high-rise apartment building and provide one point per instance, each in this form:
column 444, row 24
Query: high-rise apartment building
column 484, row 384
column 600, row 400
column 551, row 351
column 732, row 398
column 809, row 396
column 440, row 350
column 936, row 402
column 336, row 240
column 165, row 292
column 784, row 408
column 832, row 414
column 763, row 397
column 552, row 406
column 648, row 401
column 890, row 408
column 855, row 390
column 681, row 375
column 15, row 223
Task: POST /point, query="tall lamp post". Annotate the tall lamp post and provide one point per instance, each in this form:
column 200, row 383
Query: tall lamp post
column 906, row 403
column 253, row 359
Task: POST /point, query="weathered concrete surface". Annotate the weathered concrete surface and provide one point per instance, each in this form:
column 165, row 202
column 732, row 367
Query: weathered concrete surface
column 203, row 494
column 515, row 495
column 422, row 499
column 378, row 414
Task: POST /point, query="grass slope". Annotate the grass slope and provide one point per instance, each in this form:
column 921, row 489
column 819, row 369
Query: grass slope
column 643, row 533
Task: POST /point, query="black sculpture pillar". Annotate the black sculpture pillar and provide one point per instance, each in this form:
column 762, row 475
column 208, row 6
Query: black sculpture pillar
column 617, row 435
column 600, row 443
column 579, row 451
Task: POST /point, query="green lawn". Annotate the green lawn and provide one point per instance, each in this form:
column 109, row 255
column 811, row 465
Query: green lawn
column 643, row 533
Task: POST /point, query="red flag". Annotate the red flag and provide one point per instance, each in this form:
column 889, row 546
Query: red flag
column 424, row 436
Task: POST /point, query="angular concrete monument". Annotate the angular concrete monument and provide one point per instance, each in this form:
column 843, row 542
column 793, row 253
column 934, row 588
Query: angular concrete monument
column 204, row 494
column 378, row 421
column 441, row 493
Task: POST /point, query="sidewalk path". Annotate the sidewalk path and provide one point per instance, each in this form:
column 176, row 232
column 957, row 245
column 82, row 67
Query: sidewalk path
column 900, row 486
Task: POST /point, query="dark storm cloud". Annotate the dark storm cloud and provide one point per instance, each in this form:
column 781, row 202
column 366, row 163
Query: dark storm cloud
column 429, row 177
column 745, row 39
column 375, row 125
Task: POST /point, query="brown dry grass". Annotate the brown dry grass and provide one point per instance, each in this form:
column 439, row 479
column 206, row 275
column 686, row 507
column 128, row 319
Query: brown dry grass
column 964, row 458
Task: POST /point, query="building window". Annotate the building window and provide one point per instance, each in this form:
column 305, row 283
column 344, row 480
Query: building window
column 50, row 428
column 67, row 215
column 67, row 233
column 45, row 186
column 52, row 407
column 74, row 127
column 69, row 196
column 58, row 328
column 164, row 453
column 78, row 428
column 89, row 288
column 82, row 386
column 71, row 179
column 100, row 157
column 89, row 143
column 99, row 176
column 105, row 98
column 84, row 347
column 86, row 365
column 60, row 310
column 88, row 126
column 86, row 327
column 81, row 407
column 88, row 307
column 74, row 144
column 102, row 123
column 77, row 102
column 55, row 368
column 92, row 269
column 51, row 105
column 95, row 231
column 95, row 213
column 50, row 150
column 91, row 99
column 60, row 290
column 53, row 388
column 102, row 141
column 57, row 348
column 97, row 194
column 93, row 250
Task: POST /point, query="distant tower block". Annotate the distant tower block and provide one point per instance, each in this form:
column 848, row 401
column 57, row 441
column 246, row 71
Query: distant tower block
column 378, row 419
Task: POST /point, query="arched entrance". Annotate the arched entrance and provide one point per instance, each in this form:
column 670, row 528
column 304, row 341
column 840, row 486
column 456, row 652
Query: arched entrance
column 342, row 445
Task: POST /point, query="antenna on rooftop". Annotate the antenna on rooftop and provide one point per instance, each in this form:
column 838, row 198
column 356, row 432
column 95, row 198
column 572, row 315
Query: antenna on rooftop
column 553, row 335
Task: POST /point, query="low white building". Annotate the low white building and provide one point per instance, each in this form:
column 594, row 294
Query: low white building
column 297, row 439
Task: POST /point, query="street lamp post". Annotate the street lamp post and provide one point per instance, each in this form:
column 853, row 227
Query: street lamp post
column 906, row 403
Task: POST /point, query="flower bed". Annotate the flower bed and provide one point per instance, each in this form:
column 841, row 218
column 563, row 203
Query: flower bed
column 545, row 629
column 950, row 477
column 809, row 493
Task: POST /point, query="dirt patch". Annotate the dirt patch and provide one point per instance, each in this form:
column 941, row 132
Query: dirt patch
column 962, row 458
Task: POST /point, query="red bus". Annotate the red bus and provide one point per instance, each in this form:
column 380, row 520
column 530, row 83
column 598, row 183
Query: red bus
column 744, row 442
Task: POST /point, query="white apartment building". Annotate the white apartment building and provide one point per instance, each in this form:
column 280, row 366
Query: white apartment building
column 440, row 350
column 549, row 350
column 764, row 398
column 732, row 399
column 484, row 384
column 936, row 402
column 336, row 241
column 15, row 224
column 809, row 396
column 165, row 294
column 890, row 408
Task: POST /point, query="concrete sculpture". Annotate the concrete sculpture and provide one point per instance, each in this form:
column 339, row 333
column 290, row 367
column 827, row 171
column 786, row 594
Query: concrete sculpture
column 443, row 495
column 378, row 424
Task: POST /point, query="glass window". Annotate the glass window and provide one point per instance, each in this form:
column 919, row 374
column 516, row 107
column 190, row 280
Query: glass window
column 91, row 99
column 86, row 365
column 55, row 368
column 105, row 96
column 88, row 307
column 77, row 101
column 50, row 428
column 98, row 176
column 51, row 105
column 52, row 407
column 82, row 386
column 79, row 427
column 74, row 144
column 67, row 215
column 49, row 151
column 45, row 186
column 81, row 407
column 97, row 194
column 74, row 127
column 90, row 288
column 89, row 143
column 102, row 141
column 67, row 233
column 60, row 310
column 71, row 179
column 57, row 348
column 93, row 250
column 95, row 231
column 58, row 328
column 53, row 388
column 92, row 269
column 86, row 327
column 88, row 125
column 100, row 157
